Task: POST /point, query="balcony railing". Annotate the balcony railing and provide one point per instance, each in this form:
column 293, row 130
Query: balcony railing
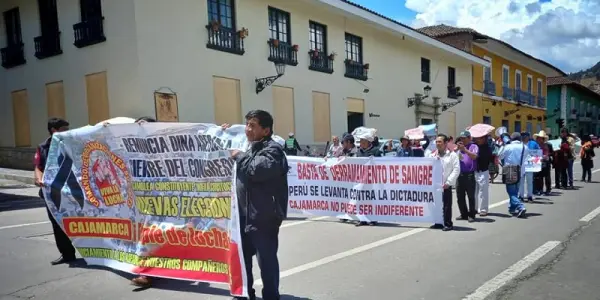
column 224, row 39
column 541, row 102
column 320, row 61
column 13, row 55
column 523, row 97
column 489, row 87
column 453, row 92
column 588, row 114
column 356, row 70
column 89, row 32
column 508, row 93
column 47, row 45
column 280, row 52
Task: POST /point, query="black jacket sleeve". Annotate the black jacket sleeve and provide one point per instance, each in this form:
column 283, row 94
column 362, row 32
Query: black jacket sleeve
column 262, row 165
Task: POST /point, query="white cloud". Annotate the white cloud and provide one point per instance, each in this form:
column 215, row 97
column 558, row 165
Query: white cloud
column 563, row 32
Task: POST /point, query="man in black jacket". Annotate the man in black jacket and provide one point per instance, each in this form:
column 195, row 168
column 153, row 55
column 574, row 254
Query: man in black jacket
column 63, row 243
column 262, row 193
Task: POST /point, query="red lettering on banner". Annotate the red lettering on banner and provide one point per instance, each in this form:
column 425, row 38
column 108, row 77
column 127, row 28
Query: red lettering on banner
column 365, row 209
column 417, row 175
column 399, row 210
column 360, row 173
column 348, row 208
column 307, row 171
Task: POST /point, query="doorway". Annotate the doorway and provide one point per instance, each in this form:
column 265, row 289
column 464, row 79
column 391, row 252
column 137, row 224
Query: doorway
column 426, row 121
column 355, row 120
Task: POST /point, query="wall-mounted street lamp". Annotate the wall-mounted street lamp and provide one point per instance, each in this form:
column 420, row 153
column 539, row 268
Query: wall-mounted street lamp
column 262, row 83
column 418, row 98
column 448, row 105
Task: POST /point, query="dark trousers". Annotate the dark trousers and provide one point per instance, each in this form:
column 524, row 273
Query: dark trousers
column 587, row 172
column 447, row 207
column 560, row 177
column 264, row 244
column 466, row 187
column 63, row 243
column 540, row 178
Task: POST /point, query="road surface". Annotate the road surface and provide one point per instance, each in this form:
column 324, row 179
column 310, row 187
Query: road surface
column 552, row 254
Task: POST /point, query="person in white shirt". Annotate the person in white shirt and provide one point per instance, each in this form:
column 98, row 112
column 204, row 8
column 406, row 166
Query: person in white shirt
column 451, row 167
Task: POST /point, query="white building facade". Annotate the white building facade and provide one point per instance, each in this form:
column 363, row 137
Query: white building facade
column 89, row 60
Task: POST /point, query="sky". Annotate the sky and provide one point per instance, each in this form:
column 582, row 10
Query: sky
column 565, row 33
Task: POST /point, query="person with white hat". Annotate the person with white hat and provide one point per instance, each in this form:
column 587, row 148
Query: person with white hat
column 544, row 175
column 291, row 145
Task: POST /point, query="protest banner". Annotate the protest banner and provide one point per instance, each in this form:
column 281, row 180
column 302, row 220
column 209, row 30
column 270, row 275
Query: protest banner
column 368, row 189
column 151, row 199
column 533, row 160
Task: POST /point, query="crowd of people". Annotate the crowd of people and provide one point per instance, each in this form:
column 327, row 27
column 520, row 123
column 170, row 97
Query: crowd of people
column 262, row 187
column 468, row 162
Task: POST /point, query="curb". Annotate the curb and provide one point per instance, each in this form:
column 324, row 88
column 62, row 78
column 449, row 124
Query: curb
column 21, row 178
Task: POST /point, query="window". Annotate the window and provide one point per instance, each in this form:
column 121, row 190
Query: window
column 517, row 126
column 12, row 20
column 13, row 54
column 280, row 43
column 487, row 120
column 320, row 60
column 90, row 30
column 221, row 11
column 354, row 58
column 48, row 43
column 573, row 104
column 354, row 48
column 487, row 71
column 505, row 124
column 279, row 25
column 222, row 33
column 425, row 70
column 538, row 127
column 505, row 76
column 529, row 84
column 451, row 77
column 528, row 127
column 518, row 80
column 540, row 90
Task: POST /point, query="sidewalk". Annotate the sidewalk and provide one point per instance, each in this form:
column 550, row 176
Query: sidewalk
column 17, row 175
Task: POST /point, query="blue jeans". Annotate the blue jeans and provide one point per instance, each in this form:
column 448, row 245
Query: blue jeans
column 514, row 204
column 570, row 171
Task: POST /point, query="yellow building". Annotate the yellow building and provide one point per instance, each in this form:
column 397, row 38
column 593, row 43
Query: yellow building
column 510, row 93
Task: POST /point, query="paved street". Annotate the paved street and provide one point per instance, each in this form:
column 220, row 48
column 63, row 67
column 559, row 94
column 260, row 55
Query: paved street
column 552, row 254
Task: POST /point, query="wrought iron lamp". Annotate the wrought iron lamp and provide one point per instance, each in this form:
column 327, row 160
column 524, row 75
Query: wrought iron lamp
column 446, row 106
column 262, row 83
column 418, row 98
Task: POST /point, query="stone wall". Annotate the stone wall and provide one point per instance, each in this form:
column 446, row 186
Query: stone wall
column 17, row 158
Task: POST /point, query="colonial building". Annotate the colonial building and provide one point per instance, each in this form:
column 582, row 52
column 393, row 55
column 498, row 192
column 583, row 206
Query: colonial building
column 577, row 107
column 320, row 66
column 512, row 91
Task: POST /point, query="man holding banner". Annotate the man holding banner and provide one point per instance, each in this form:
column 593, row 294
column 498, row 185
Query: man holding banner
column 451, row 167
column 262, row 194
column 63, row 243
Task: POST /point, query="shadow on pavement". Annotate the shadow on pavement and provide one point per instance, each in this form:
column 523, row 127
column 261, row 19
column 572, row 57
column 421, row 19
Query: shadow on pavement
column 484, row 220
column 528, row 215
column 541, row 202
column 9, row 201
column 296, row 218
column 462, row 228
column 499, row 215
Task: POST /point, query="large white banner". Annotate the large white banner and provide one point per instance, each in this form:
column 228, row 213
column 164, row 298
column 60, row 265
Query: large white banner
column 367, row 189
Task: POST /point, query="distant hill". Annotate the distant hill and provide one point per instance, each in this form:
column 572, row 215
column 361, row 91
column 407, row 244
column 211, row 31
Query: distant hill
column 589, row 78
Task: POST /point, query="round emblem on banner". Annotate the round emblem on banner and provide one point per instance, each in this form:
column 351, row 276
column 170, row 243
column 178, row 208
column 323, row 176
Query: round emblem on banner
column 104, row 176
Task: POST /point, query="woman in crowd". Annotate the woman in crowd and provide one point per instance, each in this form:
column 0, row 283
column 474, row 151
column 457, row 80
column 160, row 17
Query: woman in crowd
column 560, row 162
column 544, row 175
column 587, row 157
column 336, row 149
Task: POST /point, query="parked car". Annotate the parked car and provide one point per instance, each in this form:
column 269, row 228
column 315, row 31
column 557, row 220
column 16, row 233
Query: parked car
column 383, row 143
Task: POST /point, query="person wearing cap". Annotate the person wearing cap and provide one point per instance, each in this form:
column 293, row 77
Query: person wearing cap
column 526, row 188
column 543, row 175
column 466, row 184
column 405, row 150
column 291, row 145
column 564, row 134
column 513, row 155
